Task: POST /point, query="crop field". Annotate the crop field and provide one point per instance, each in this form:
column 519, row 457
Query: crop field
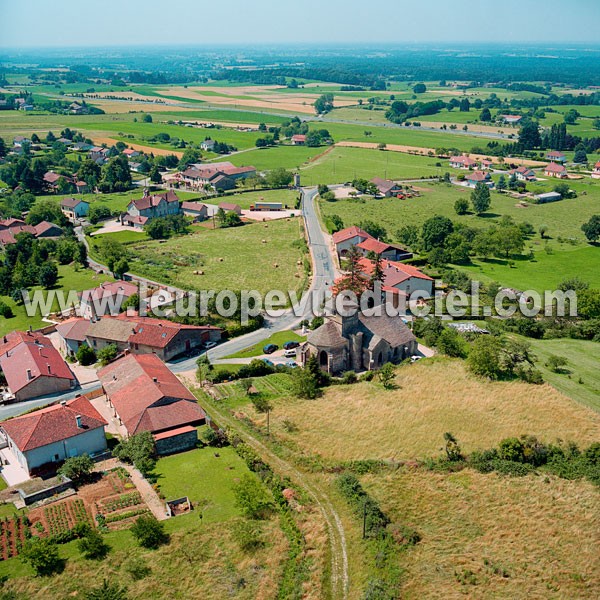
column 488, row 536
column 234, row 258
column 433, row 396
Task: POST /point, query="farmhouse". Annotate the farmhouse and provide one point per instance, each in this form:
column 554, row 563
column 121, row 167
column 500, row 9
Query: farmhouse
column 462, row 162
column 196, row 210
column 298, row 139
column 383, row 249
column 229, row 207
column 358, row 342
column 596, row 171
column 146, row 335
column 74, row 208
column 10, row 228
column 55, row 433
column 524, row 174
column 386, row 187
column 107, row 298
column 485, row 164
column 82, row 187
column 556, row 156
column 33, row 368
column 400, row 278
column 511, row 119
column 131, row 153
column 146, row 396
column 207, row 145
column 206, row 178
column 51, row 180
column 151, row 207
column 71, row 334
column 555, row 170
column 351, row 236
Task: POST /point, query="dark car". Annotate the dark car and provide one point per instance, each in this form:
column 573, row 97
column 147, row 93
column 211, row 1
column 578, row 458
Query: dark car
column 290, row 345
column 267, row 362
column 270, row 348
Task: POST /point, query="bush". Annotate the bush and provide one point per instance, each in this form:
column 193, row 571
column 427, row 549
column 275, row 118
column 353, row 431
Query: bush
column 77, row 468
column 107, row 354
column 349, row 377
column 251, row 498
column 137, row 569
column 42, row 555
column 137, row 450
column 149, row 532
column 92, row 545
column 85, row 355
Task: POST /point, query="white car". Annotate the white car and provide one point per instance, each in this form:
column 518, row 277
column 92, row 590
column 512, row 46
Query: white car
column 209, row 345
column 290, row 353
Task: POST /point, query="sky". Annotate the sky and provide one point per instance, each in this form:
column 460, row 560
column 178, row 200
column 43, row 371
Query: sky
column 60, row 23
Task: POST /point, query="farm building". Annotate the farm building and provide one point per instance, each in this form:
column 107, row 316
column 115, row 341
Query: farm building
column 151, row 207
column 596, row 171
column 400, row 278
column 71, row 334
column 511, row 119
column 107, row 298
column 385, row 250
column 229, row 207
column 385, row 187
column 548, row 197
column 351, row 236
column 298, row 139
column 555, row 170
column 358, row 342
column 146, row 396
column 196, row 210
column 55, row 433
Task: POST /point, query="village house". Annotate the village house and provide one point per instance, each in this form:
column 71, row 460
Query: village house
column 51, row 180
column 524, row 174
column 82, row 187
column 511, row 119
column 385, row 187
column 462, row 162
column 476, row 177
column 55, row 433
column 71, row 334
column 98, row 154
column 105, row 299
column 10, row 228
column 298, row 139
column 556, row 156
column 74, row 208
column 555, row 170
column 146, row 396
column 76, row 109
column 19, row 141
column 151, row 207
column 146, row 335
column 207, row 145
column 359, row 342
column 196, row 210
column 130, row 153
column 596, row 171
column 230, row 207
column 485, row 164
column 33, row 367
column 348, row 237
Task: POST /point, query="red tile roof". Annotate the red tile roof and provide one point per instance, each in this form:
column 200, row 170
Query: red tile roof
column 349, row 233
column 150, row 201
column 14, row 338
column 46, row 226
column 465, row 160
column 147, row 395
column 555, row 153
column 194, row 206
column 135, row 219
column 373, row 245
column 173, row 432
column 227, row 206
column 298, row 137
column 73, row 202
column 39, row 357
column 112, row 288
column 555, row 168
column 53, row 424
column 73, row 329
column 478, row 176
column 393, row 272
column 51, row 177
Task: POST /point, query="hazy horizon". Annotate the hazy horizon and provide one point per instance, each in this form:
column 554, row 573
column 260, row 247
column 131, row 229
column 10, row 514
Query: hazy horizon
column 39, row 24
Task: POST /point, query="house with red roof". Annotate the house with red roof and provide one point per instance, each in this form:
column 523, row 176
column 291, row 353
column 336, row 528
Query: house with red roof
column 146, row 396
column 74, row 208
column 400, row 279
column 230, row 207
column 10, row 228
column 153, row 206
column 556, row 156
column 105, row 299
column 147, row 335
column 476, row 177
column 298, row 139
column 55, row 433
column 385, row 250
column 386, row 187
column 596, row 171
column 71, row 334
column 511, row 119
column 196, row 210
column 32, row 367
column 462, row 162
column 555, row 170
column 348, row 237
column 485, row 164
column 524, row 174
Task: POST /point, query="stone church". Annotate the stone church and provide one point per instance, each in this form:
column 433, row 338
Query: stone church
column 359, row 342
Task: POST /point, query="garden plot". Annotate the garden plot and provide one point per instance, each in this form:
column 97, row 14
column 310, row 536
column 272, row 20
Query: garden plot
column 12, row 536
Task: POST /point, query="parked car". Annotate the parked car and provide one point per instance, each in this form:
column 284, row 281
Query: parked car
column 209, row 345
column 291, row 344
column 270, row 348
column 291, row 363
column 290, row 353
column 268, row 362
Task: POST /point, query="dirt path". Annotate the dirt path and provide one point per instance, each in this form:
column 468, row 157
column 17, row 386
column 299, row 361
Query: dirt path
column 335, row 528
column 149, row 496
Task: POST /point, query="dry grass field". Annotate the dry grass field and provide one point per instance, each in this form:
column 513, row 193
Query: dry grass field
column 518, row 537
column 433, row 396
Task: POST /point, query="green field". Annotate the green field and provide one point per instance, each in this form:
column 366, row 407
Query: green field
column 234, row 258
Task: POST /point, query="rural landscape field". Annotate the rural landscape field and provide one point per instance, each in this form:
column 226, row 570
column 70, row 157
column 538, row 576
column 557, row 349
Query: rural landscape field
column 294, row 305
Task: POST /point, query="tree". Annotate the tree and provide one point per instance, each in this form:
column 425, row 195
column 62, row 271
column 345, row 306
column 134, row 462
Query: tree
column 556, row 363
column 484, row 357
column 42, row 555
column 121, row 267
column 386, row 375
column 408, row 235
column 501, row 184
column 465, row 105
column 481, row 198
column 451, row 343
column 509, row 239
column 89, row 172
column 580, row 155
column 453, row 451
column 251, row 498
column 92, row 545
column 571, row 116
column 420, row 88
column 353, row 279
column 107, row 354
column 137, row 450
column 591, row 229
column 485, row 115
column 45, row 210
column 2, row 148
column 461, row 206
column 149, row 532
column 77, row 468
column 543, row 230
column 263, row 406
column 324, row 103
column 98, row 212
column 529, row 135
column 147, row 118
column 279, row 178
column 305, row 384
column 107, row 591
column 116, row 176
column 85, row 355
column 48, row 275
column 190, row 155
column 375, row 229
column 435, row 231
column 155, row 175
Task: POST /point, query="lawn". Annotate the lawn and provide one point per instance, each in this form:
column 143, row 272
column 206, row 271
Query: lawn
column 433, row 396
column 233, row 258
column 278, row 339
column 69, row 279
column 245, row 199
column 205, row 476
column 289, row 157
column 488, row 536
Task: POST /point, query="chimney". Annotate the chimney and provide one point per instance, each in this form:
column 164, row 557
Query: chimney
column 49, row 370
column 63, row 402
column 29, row 376
column 155, row 379
column 5, row 339
column 78, row 421
column 30, row 329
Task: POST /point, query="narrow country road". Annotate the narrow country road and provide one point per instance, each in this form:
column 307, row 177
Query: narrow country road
column 335, row 528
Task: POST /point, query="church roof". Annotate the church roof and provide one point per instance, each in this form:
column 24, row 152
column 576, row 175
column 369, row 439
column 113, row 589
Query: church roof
column 328, row 336
column 392, row 329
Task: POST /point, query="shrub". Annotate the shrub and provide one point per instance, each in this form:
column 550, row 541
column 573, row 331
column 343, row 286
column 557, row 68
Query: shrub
column 149, row 532
column 107, row 591
column 77, row 468
column 349, row 377
column 42, row 555
column 85, row 355
column 251, row 498
column 92, row 545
